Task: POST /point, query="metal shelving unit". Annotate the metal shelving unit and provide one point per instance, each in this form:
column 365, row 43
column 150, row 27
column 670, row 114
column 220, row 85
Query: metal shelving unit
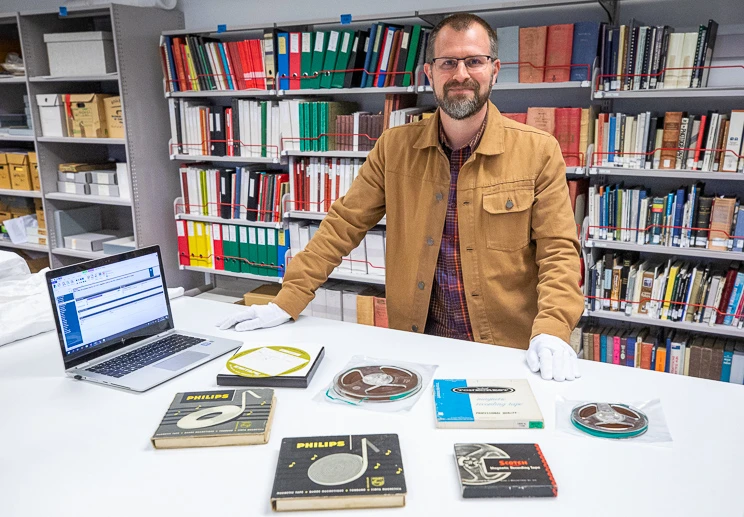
column 316, row 216
column 16, row 138
column 721, row 330
column 82, row 198
column 222, row 159
column 671, row 93
column 13, row 79
column 526, row 86
column 20, row 193
column 329, row 154
column 219, row 220
column 152, row 177
column 666, row 173
column 248, row 276
column 664, row 250
column 27, row 246
column 222, row 93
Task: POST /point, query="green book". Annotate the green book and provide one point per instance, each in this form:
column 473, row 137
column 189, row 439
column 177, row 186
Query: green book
column 228, row 251
column 618, row 214
column 253, row 250
column 243, row 248
column 310, row 127
column 262, row 252
column 319, row 49
column 317, row 128
column 412, row 54
column 342, row 61
column 323, row 125
column 263, row 129
column 271, row 251
column 306, row 60
column 331, row 56
column 303, row 132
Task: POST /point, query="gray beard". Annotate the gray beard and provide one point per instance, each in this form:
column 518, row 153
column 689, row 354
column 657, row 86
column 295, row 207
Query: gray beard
column 462, row 109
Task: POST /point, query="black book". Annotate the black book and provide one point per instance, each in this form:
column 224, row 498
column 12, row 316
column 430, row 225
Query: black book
column 654, row 64
column 177, row 146
column 236, row 127
column 710, row 42
column 202, row 67
column 663, row 55
column 217, row 132
column 272, row 366
column 405, row 44
column 647, row 56
column 614, row 78
column 254, row 178
column 697, row 73
column 504, row 470
column 603, row 30
column 631, row 54
column 356, row 61
column 226, row 186
column 339, row 472
column 651, row 142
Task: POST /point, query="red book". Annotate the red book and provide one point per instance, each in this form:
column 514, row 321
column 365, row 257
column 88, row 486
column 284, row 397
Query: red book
column 532, row 42
column 229, row 134
column 183, row 83
column 381, row 316
column 248, row 68
column 516, row 117
column 183, row 244
column 646, row 350
column 185, row 190
column 558, row 53
column 295, row 56
column 597, row 344
column 568, row 134
column 379, row 60
column 393, row 61
column 219, row 256
column 259, row 71
column 233, row 52
column 728, row 287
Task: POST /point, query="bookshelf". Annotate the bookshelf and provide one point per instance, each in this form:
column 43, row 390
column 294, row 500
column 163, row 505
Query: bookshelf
column 151, row 176
column 512, row 97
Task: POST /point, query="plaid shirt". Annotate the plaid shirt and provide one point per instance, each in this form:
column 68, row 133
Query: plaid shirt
column 448, row 310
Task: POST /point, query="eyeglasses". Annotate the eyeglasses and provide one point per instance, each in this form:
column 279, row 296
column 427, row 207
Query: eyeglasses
column 472, row 63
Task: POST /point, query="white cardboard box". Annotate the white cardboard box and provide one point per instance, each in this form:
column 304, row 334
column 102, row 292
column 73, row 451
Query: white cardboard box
column 122, row 178
column 70, row 187
column 88, row 241
column 80, row 53
column 52, row 114
column 104, row 190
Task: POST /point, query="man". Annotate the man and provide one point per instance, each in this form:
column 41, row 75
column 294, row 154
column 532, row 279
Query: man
column 481, row 240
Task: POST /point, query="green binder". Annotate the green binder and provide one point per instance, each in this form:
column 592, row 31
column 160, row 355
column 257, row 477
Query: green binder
column 323, row 125
column 331, row 56
column 227, row 247
column 306, row 59
column 342, row 62
column 262, row 252
column 253, row 250
column 243, row 248
column 319, row 50
column 303, row 132
column 412, row 54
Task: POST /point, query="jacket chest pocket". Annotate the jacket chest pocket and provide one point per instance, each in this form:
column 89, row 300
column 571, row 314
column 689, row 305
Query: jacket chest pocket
column 507, row 218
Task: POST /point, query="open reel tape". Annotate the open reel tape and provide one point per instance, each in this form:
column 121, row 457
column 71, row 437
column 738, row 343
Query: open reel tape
column 378, row 383
column 609, row 420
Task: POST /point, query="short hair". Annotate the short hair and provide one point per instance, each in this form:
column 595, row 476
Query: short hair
column 461, row 22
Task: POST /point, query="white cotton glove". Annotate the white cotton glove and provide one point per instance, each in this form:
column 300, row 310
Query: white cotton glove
column 255, row 317
column 553, row 357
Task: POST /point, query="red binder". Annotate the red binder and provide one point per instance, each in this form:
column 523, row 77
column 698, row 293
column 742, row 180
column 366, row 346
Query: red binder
column 183, row 244
column 219, row 256
column 295, row 58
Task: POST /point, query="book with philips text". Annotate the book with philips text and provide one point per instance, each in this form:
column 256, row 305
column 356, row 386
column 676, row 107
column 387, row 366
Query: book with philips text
column 272, row 366
column 504, row 470
column 339, row 472
column 215, row 418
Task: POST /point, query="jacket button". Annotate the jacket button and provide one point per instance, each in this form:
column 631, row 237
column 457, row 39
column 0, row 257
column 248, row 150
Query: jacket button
column 509, row 204
column 421, row 285
column 430, row 241
column 439, row 196
column 414, row 328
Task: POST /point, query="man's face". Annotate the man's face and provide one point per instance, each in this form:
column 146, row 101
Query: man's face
column 463, row 91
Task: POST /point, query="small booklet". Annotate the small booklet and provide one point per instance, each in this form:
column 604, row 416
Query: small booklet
column 272, row 365
column 214, row 418
column 504, row 470
column 339, row 472
column 486, row 404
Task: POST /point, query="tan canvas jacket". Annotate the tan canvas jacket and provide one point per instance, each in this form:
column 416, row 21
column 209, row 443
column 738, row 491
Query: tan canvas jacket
column 518, row 239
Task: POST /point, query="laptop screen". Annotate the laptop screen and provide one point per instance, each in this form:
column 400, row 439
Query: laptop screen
column 110, row 302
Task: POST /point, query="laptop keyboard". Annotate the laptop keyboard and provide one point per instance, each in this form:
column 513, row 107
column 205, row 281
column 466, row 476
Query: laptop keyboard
column 124, row 364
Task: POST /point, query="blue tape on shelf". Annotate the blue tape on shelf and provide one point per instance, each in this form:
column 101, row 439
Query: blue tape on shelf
column 221, row 28
column 345, row 19
column 63, row 11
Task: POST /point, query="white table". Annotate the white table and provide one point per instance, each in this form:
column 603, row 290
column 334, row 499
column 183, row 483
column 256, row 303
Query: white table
column 81, row 449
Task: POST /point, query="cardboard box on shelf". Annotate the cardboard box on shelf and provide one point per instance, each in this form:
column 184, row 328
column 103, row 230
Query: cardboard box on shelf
column 34, row 166
column 52, row 114
column 20, row 174
column 114, row 117
column 262, row 294
column 41, row 218
column 4, row 172
column 86, row 116
column 80, row 53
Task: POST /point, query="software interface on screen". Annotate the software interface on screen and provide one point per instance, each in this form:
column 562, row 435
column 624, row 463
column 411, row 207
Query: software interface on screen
column 99, row 305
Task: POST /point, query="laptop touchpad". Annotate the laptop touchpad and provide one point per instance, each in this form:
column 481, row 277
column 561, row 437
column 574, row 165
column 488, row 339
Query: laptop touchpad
column 179, row 361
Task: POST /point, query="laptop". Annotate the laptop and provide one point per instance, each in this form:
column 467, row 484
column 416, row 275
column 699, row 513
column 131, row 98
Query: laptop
column 115, row 326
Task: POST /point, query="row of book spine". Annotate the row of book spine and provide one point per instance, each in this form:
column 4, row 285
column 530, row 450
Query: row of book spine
column 675, row 352
column 636, row 57
column 711, row 142
column 315, row 183
column 232, row 248
column 672, row 290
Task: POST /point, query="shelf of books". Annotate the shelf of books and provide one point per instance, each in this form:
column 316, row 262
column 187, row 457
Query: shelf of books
column 248, row 276
column 664, row 250
column 677, row 93
column 721, row 330
column 317, row 216
column 665, row 173
column 223, row 159
column 241, row 222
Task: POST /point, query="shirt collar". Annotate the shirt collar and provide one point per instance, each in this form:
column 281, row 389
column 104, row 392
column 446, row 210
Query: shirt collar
column 473, row 144
column 492, row 141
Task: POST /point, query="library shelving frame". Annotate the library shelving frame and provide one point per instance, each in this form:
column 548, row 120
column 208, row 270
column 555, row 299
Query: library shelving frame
column 152, row 177
column 517, row 97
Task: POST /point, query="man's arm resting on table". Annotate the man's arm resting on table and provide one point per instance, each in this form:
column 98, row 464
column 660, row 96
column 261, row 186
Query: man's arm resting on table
column 559, row 298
